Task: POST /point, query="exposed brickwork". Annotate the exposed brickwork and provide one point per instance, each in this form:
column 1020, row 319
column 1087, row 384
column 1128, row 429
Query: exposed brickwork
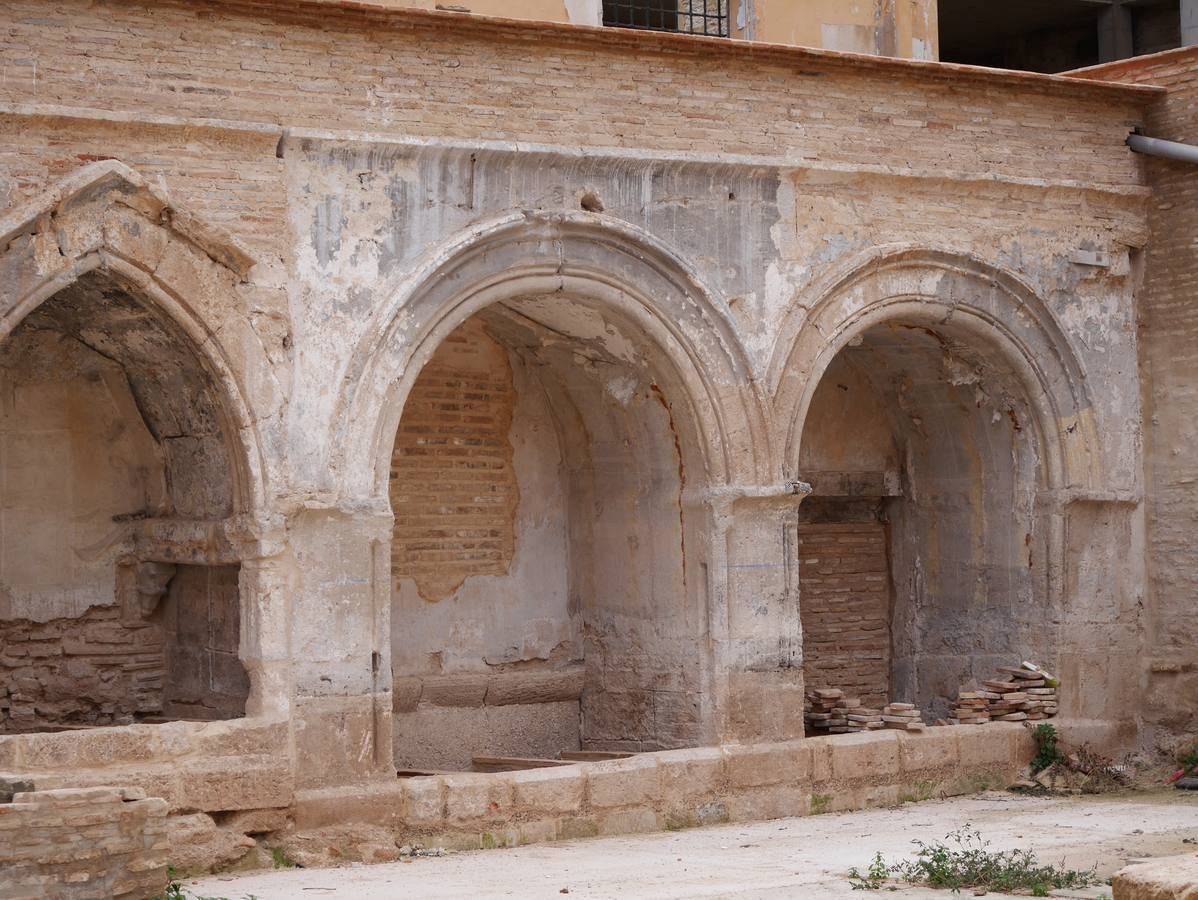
column 451, row 77
column 845, row 608
column 91, row 670
column 91, row 842
column 453, row 485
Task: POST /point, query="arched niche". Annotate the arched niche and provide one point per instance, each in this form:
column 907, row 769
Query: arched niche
column 943, row 420
column 133, row 480
column 614, row 392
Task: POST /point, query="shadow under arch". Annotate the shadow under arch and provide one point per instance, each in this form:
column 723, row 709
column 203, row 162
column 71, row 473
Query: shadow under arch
column 581, row 256
column 992, row 308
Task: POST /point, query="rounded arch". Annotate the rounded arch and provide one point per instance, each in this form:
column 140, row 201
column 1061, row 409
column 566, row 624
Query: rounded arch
column 992, row 308
column 575, row 256
column 104, row 219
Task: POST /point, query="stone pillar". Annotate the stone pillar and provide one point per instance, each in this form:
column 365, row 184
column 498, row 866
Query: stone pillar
column 1115, row 33
column 758, row 640
column 1189, row 23
column 340, row 634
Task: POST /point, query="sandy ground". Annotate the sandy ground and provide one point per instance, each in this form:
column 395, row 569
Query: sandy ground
column 787, row 858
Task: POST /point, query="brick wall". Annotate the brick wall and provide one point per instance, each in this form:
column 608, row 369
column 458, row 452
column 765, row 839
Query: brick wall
column 90, row 670
column 453, row 484
column 1168, row 310
column 844, row 601
column 83, row 843
column 418, row 74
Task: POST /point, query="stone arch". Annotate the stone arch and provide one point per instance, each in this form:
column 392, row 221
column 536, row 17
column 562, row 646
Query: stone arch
column 103, row 247
column 105, row 219
column 1002, row 313
column 692, row 421
column 576, row 255
column 945, row 422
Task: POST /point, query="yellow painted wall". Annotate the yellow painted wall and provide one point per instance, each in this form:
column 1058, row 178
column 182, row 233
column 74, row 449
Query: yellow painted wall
column 905, row 28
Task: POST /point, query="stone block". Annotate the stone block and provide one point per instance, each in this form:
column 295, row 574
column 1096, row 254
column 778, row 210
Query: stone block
column 198, row 845
column 623, row 782
column 1167, row 878
column 1006, row 745
column 229, row 783
column 255, row 821
column 687, row 774
column 424, row 801
column 935, row 748
column 821, row 757
column 756, row 804
column 871, row 755
column 534, row 687
column 631, row 820
column 879, row 795
column 753, row 765
column 557, row 789
column 476, row 797
column 454, row 690
column 93, row 747
column 405, row 694
column 376, row 803
column 537, row 831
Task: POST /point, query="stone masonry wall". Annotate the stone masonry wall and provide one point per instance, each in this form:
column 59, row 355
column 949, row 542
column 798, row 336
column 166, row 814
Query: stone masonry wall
column 90, row 670
column 1169, row 365
column 453, row 482
column 845, row 609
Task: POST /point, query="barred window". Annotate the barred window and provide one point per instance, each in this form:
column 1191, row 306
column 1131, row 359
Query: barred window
column 687, row 16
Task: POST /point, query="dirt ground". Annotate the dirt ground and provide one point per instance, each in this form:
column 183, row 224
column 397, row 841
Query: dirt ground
column 799, row 858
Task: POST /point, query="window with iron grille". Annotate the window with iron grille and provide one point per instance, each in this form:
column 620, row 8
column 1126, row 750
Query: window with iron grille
column 688, row 16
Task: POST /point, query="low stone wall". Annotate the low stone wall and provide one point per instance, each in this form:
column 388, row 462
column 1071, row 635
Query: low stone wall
column 654, row 791
column 207, row 767
column 98, row 842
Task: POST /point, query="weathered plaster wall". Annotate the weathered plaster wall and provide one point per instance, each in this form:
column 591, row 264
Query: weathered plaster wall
column 480, row 558
column 77, row 456
column 393, row 173
column 1166, row 687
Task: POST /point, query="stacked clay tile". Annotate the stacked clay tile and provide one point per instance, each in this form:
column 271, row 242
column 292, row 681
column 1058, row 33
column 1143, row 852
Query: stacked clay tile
column 828, row 710
column 1014, row 694
column 902, row 717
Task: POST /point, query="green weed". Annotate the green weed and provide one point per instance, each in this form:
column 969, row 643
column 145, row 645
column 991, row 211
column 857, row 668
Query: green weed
column 1047, row 752
column 965, row 861
column 820, row 804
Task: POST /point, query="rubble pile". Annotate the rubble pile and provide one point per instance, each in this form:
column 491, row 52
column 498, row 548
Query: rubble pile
column 829, row 711
column 1014, row 694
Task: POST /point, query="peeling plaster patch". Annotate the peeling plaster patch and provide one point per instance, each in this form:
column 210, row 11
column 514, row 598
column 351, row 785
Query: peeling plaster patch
column 579, row 323
column 328, row 223
column 622, row 388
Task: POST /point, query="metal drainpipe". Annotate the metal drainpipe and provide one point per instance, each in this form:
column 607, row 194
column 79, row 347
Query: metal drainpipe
column 1167, row 149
